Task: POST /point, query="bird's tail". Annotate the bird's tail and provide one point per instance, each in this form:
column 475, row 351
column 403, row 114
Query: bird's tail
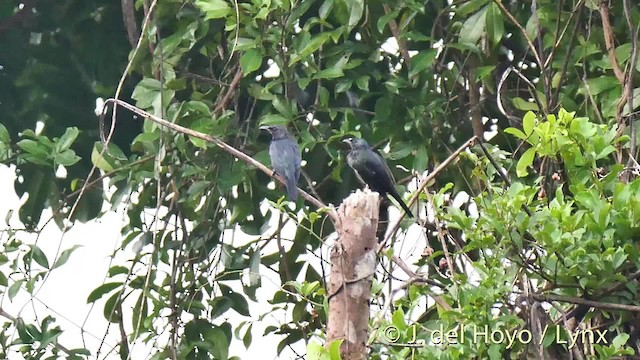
column 292, row 187
column 404, row 206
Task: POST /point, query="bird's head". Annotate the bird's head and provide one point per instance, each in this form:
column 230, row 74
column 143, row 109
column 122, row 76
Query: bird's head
column 276, row 131
column 356, row 143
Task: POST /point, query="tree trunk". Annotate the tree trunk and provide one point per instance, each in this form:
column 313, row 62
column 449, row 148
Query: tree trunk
column 353, row 263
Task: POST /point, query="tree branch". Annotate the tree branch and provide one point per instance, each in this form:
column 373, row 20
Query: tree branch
column 581, row 301
column 221, row 144
column 402, row 46
column 609, row 41
column 523, row 31
column 129, row 18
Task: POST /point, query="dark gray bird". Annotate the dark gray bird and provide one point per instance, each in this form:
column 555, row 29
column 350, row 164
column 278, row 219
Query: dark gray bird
column 371, row 170
column 285, row 157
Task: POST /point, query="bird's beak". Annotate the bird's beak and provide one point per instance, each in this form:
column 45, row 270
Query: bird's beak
column 264, row 127
column 347, row 140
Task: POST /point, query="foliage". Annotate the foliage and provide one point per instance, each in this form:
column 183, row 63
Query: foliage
column 557, row 217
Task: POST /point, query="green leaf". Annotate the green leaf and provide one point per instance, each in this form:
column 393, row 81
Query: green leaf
column 384, row 20
column 363, row 83
column 474, row 26
column 316, row 351
column 34, row 148
column 532, row 27
column 467, row 7
column 219, row 306
column 109, row 311
column 325, row 9
column 310, row 47
column 494, row 352
column 220, row 349
column 115, row 270
column 522, row 104
column 150, row 94
column 516, row 132
column 108, row 160
column 240, row 304
column 620, row 340
column 528, row 122
column 330, row 73
column 67, row 139
column 64, row 256
column 66, row 158
column 247, row 338
column 283, row 106
column 214, row 9
column 14, row 288
column 525, row 161
column 334, row 349
column 400, row 150
column 273, row 119
column 355, row 9
column 4, row 135
column 494, row 24
column 422, row 61
column 250, row 61
column 102, row 290
column 397, row 318
column 38, row 256
column 595, row 86
column 421, row 160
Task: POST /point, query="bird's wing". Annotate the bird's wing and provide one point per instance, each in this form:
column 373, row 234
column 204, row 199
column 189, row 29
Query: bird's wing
column 375, row 161
column 285, row 159
column 371, row 168
column 287, row 154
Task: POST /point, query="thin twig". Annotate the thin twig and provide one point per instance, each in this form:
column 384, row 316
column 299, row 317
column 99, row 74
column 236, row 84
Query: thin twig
column 203, row 79
column 556, row 44
column 567, row 57
column 581, row 301
column 609, row 41
column 225, row 100
column 628, row 91
column 396, row 34
column 523, row 31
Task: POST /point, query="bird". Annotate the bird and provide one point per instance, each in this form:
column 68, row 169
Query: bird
column 372, row 171
column 285, row 157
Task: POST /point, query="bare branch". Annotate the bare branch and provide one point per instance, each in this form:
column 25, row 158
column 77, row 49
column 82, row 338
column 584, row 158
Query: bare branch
column 523, row 31
column 581, row 301
column 221, row 144
column 609, row 41
column 402, row 46
column 129, row 18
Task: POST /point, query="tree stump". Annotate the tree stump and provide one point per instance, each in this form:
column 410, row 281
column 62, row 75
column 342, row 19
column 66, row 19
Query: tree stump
column 353, row 264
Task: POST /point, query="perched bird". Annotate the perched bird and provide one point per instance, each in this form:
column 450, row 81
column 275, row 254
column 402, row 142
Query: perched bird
column 371, row 170
column 285, row 157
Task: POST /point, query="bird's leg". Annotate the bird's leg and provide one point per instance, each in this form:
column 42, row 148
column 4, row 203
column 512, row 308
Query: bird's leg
column 275, row 175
